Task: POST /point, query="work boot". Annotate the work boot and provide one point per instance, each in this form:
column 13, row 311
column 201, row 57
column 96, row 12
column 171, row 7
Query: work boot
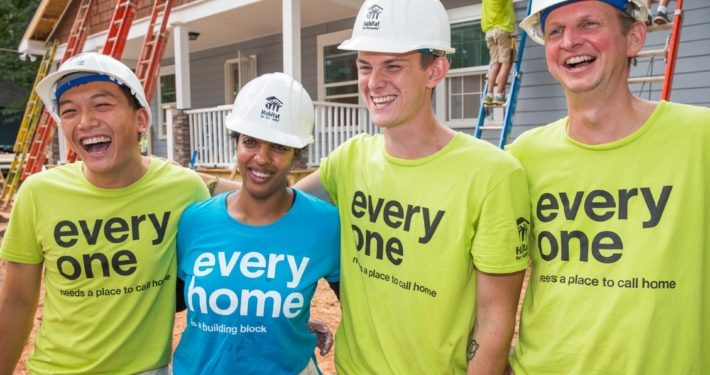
column 661, row 18
column 488, row 99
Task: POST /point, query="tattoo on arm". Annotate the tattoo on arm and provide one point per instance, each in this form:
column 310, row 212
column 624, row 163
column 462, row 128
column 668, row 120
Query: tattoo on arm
column 472, row 348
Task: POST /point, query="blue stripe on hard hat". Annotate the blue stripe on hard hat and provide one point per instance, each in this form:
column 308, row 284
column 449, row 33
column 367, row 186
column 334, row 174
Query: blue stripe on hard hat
column 620, row 4
column 432, row 52
column 74, row 80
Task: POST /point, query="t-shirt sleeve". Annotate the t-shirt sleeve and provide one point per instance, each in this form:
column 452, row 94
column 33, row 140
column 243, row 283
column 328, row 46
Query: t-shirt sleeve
column 20, row 243
column 500, row 244
column 327, row 176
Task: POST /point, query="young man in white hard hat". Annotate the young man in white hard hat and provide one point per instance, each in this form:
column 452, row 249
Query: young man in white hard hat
column 619, row 188
column 250, row 316
column 433, row 221
column 104, row 231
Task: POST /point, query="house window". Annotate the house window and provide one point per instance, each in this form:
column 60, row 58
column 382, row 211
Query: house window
column 337, row 74
column 167, row 96
column 340, row 75
column 237, row 72
column 469, row 65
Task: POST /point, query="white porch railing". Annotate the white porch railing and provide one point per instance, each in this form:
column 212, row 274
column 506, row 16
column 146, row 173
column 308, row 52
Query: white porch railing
column 334, row 124
column 210, row 143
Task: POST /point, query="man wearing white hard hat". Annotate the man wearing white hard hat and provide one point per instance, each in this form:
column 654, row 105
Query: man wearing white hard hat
column 434, row 221
column 101, row 232
column 619, row 188
column 251, row 317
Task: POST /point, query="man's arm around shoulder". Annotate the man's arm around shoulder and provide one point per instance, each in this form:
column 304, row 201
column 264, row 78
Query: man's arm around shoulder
column 312, row 185
column 497, row 303
column 18, row 301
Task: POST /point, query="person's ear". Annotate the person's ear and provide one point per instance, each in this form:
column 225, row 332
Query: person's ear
column 437, row 71
column 636, row 38
column 142, row 120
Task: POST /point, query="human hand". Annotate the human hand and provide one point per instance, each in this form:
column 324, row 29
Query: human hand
column 323, row 334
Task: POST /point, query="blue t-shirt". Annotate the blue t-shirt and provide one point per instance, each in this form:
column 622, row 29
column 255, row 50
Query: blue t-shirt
column 248, row 288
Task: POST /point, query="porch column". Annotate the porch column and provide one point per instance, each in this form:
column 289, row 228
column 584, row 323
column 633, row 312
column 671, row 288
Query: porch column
column 182, row 66
column 178, row 130
column 292, row 38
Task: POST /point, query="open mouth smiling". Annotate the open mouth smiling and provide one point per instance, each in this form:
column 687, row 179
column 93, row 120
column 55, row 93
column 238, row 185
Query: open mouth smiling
column 97, row 144
column 380, row 100
column 578, row 62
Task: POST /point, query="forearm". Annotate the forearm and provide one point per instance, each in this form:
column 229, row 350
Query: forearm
column 311, row 184
column 217, row 185
column 15, row 326
column 497, row 302
column 488, row 352
column 18, row 301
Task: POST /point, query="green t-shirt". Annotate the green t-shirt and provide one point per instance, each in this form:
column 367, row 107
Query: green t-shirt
column 498, row 14
column 620, row 249
column 413, row 234
column 109, row 266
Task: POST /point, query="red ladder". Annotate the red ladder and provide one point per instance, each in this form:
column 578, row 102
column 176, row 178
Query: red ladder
column 119, row 27
column 45, row 130
column 672, row 50
column 669, row 51
column 153, row 47
column 116, row 39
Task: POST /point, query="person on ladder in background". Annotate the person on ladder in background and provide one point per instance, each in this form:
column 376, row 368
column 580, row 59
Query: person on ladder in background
column 498, row 22
column 661, row 17
column 620, row 188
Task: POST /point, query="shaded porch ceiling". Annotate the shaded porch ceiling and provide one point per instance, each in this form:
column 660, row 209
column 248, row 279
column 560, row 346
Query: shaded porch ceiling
column 219, row 22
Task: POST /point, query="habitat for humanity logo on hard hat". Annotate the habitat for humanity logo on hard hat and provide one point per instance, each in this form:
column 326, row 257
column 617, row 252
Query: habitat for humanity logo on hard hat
column 271, row 109
column 373, row 15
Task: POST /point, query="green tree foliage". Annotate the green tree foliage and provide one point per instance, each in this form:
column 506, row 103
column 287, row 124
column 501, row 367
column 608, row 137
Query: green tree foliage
column 15, row 16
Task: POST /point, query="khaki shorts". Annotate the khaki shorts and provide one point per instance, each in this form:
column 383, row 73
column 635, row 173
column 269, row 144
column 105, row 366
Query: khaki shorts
column 501, row 46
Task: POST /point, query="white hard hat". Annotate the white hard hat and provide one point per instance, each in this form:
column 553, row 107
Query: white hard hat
column 398, row 26
column 535, row 22
column 89, row 62
column 275, row 108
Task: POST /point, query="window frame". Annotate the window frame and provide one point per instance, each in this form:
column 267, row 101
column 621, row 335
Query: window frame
column 441, row 107
column 322, row 41
column 161, row 107
column 229, row 77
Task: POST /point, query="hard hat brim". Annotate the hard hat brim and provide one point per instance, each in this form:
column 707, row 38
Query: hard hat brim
column 374, row 44
column 46, row 87
column 264, row 132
